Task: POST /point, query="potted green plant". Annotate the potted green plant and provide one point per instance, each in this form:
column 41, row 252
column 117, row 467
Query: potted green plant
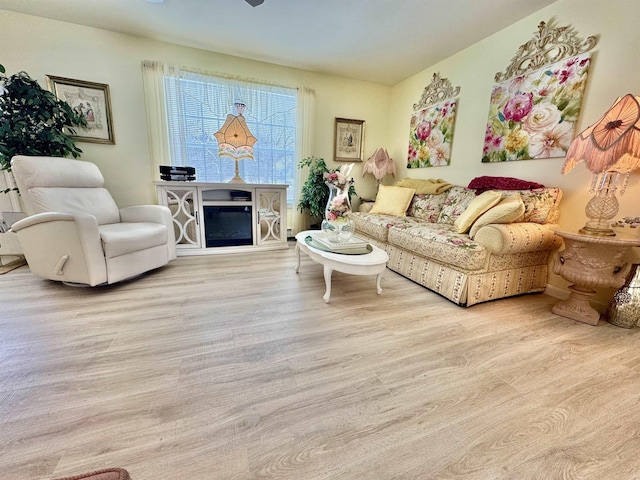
column 33, row 121
column 315, row 193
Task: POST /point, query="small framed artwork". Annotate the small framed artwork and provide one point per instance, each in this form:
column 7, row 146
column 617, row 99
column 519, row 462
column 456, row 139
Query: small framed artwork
column 349, row 140
column 92, row 101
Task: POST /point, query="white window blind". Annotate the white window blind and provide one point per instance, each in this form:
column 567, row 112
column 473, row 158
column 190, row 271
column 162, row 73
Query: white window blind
column 196, row 108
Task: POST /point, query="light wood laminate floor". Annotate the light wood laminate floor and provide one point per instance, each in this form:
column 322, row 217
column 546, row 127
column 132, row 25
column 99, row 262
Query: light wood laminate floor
column 233, row 367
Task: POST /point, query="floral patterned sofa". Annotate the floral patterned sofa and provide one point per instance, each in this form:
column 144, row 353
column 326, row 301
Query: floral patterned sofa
column 487, row 262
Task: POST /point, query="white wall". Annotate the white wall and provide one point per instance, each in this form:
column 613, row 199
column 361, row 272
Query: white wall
column 615, row 71
column 47, row 47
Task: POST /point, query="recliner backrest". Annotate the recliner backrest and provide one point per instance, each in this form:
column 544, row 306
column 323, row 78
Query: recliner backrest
column 55, row 184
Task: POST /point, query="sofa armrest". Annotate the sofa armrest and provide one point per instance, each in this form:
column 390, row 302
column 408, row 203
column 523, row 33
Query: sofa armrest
column 501, row 239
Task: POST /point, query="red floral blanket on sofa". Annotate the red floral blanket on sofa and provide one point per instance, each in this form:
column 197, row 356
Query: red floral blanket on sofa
column 482, row 184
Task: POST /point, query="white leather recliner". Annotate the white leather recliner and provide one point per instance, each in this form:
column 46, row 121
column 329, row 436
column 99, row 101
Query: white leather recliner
column 75, row 232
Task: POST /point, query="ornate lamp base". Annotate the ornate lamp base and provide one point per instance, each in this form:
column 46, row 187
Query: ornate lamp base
column 236, row 178
column 603, row 206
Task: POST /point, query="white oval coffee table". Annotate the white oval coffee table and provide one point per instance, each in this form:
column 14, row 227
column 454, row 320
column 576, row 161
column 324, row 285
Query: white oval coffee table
column 373, row 263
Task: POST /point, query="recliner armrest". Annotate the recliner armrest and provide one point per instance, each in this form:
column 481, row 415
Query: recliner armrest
column 153, row 214
column 41, row 218
column 145, row 213
column 63, row 246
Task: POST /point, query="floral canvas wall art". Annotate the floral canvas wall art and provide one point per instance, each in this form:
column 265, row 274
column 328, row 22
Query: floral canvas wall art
column 534, row 115
column 431, row 135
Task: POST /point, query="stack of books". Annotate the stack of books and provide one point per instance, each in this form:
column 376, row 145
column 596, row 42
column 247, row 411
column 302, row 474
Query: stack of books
column 354, row 245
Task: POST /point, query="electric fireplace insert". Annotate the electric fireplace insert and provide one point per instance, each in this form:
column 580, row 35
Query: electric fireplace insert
column 228, row 226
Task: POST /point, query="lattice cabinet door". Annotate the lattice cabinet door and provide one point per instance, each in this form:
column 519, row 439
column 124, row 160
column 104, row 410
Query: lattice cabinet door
column 272, row 215
column 184, row 206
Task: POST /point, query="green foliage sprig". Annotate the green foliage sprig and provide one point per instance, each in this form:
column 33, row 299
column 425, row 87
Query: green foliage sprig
column 33, row 121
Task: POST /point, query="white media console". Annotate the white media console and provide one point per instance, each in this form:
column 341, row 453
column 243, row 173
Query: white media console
column 212, row 218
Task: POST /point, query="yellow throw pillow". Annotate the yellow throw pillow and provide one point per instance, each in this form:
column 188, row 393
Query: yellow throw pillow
column 393, row 200
column 477, row 207
column 507, row 211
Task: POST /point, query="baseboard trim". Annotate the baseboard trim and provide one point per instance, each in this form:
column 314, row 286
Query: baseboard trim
column 557, row 292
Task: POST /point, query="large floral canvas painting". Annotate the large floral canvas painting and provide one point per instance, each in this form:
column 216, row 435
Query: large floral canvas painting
column 534, row 115
column 431, row 135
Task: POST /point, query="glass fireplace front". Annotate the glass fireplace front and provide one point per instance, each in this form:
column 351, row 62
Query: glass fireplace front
column 228, row 226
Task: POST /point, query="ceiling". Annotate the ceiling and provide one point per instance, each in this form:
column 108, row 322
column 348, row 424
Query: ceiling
column 381, row 41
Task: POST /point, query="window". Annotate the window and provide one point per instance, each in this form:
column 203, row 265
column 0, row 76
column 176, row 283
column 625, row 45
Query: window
column 197, row 106
column 185, row 109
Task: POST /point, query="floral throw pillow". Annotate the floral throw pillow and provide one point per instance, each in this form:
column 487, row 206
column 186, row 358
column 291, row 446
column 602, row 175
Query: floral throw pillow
column 427, row 207
column 458, row 199
column 540, row 204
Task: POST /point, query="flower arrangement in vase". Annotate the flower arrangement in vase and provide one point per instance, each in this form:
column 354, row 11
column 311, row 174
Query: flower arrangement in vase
column 337, row 226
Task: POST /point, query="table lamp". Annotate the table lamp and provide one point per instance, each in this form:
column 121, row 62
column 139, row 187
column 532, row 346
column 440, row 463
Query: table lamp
column 235, row 140
column 609, row 148
column 379, row 165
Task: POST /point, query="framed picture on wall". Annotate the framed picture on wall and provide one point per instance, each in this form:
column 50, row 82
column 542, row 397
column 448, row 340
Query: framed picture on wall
column 534, row 115
column 431, row 135
column 349, row 140
column 92, row 101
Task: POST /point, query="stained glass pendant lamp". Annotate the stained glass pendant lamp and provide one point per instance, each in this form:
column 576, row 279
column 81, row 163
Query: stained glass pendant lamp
column 609, row 148
column 235, row 140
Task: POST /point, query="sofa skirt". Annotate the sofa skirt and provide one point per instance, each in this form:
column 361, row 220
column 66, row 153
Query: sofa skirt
column 464, row 287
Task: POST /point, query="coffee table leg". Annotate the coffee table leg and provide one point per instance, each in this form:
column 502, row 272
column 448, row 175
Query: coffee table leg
column 378, row 283
column 298, row 254
column 327, row 280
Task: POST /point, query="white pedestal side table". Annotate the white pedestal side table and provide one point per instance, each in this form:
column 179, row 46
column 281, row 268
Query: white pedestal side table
column 374, row 263
column 590, row 262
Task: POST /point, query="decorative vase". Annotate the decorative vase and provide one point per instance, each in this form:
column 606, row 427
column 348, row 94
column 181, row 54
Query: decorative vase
column 337, row 226
column 624, row 309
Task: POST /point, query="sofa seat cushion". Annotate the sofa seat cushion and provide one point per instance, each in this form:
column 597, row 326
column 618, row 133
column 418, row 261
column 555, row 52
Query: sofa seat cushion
column 122, row 238
column 440, row 242
column 377, row 225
